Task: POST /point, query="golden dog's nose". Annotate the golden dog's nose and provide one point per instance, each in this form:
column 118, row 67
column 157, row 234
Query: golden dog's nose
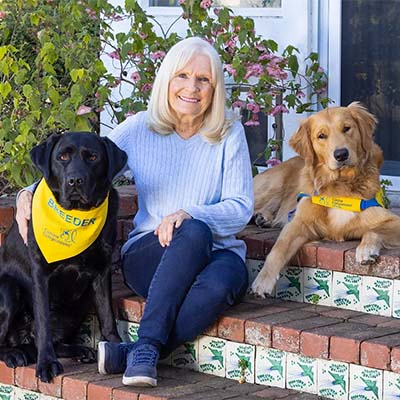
column 341, row 154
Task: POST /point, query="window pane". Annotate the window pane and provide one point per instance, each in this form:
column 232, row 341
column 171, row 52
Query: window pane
column 226, row 3
column 371, row 68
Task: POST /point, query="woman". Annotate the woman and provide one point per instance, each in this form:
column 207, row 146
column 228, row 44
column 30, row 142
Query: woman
column 192, row 172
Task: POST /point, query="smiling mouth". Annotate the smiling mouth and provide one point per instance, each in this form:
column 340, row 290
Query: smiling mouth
column 188, row 99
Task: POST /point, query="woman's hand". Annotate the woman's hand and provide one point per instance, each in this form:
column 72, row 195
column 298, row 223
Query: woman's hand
column 23, row 215
column 165, row 230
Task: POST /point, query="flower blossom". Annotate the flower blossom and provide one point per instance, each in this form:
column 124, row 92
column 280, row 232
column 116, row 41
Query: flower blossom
column 129, row 114
column 254, row 70
column 238, row 104
column 181, row 2
column 157, row 55
column 82, row 110
column 205, row 4
column 277, row 72
column 142, row 35
column 271, row 162
column 91, row 13
column 135, row 76
column 147, row 87
column 230, row 69
column 253, row 107
column 253, row 121
column 2, row 15
column 281, row 108
column 114, row 55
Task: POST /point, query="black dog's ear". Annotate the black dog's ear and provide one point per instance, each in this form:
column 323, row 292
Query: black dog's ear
column 41, row 154
column 117, row 158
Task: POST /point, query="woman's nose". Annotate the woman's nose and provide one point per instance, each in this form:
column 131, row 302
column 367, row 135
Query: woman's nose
column 193, row 84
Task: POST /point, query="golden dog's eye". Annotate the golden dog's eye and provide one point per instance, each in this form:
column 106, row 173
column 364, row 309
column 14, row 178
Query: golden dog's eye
column 63, row 157
column 322, row 136
column 346, row 129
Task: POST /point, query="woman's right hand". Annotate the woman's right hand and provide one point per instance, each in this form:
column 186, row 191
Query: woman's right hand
column 23, row 214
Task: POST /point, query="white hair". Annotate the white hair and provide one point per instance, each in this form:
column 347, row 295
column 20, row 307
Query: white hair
column 161, row 119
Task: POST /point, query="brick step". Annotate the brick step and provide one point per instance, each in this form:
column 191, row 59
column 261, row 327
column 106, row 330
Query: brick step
column 82, row 382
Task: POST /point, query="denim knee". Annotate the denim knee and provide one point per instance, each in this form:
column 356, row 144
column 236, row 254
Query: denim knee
column 196, row 231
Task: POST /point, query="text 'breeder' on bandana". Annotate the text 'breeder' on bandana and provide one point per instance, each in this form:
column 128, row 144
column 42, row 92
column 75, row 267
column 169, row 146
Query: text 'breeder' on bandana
column 62, row 233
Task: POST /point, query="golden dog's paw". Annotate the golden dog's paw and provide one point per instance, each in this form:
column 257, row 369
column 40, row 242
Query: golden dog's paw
column 261, row 221
column 367, row 255
column 263, row 285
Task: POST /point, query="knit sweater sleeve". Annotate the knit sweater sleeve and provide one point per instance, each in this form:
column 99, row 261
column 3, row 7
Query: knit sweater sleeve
column 235, row 208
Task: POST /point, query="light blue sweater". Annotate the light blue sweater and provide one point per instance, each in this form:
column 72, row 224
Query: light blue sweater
column 211, row 182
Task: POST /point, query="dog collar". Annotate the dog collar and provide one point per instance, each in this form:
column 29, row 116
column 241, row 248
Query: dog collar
column 346, row 203
column 62, row 233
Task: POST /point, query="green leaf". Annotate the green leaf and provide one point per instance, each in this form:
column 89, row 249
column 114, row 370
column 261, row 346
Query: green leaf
column 5, row 89
column 77, row 74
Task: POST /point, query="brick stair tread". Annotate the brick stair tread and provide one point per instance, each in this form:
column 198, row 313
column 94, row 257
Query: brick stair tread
column 306, row 329
column 83, row 382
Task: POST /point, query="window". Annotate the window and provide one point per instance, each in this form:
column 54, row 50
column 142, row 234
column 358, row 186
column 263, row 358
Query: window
column 226, row 3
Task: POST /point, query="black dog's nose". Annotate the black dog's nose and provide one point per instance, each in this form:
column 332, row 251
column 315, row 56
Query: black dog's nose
column 75, row 181
column 341, row 154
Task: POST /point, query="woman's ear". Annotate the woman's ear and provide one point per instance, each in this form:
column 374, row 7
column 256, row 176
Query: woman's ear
column 301, row 142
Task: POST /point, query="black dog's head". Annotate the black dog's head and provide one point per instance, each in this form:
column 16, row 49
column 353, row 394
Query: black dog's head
column 78, row 167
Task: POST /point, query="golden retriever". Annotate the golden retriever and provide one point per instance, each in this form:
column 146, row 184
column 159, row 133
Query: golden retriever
column 338, row 158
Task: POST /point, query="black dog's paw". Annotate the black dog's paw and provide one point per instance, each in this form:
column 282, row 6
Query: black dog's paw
column 16, row 358
column 47, row 370
column 87, row 355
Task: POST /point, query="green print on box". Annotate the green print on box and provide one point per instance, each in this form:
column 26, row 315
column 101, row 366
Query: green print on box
column 365, row 383
column 290, row 284
column 317, row 286
column 347, row 291
column 186, row 356
column 21, row 394
column 391, row 388
column 377, row 296
column 301, row 373
column 270, row 367
column 240, row 361
column 396, row 298
column 212, row 355
column 333, row 379
column 6, row 392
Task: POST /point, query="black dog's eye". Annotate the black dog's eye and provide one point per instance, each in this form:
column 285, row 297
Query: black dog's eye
column 322, row 136
column 346, row 129
column 92, row 157
column 63, row 157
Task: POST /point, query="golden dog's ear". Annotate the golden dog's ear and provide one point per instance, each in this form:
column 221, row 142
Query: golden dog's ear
column 366, row 123
column 301, row 143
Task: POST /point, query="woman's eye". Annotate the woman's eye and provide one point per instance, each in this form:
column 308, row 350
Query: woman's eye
column 63, row 157
column 182, row 75
column 204, row 80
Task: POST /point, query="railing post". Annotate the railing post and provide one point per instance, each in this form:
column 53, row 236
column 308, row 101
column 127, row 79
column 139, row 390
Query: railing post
column 278, row 126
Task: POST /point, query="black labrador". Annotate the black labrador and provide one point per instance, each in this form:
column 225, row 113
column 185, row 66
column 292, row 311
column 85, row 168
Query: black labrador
column 43, row 304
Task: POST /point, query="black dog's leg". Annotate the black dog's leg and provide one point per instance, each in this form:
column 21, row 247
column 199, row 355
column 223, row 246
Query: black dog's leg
column 9, row 301
column 81, row 353
column 47, row 366
column 103, row 304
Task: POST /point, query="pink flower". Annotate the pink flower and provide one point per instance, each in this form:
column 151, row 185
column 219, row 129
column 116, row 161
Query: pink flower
column 320, row 70
column 129, row 114
column 265, row 56
column 116, row 17
column 157, row 55
column 114, row 55
column 230, row 69
column 115, row 84
column 142, row 35
column 277, row 72
column 250, row 95
column 321, row 91
column 300, row 94
column 273, row 161
column 254, row 70
column 135, row 76
column 281, row 108
column 260, row 47
column 253, row 121
column 238, row 104
column 253, row 107
column 2, row 15
column 147, row 87
column 217, row 10
column 91, row 13
column 82, row 110
column 231, row 43
column 181, row 2
column 205, row 4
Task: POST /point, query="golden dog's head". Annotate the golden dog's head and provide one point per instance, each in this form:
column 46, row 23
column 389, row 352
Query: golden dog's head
column 338, row 138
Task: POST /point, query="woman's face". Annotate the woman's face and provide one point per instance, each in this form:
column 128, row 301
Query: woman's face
column 191, row 90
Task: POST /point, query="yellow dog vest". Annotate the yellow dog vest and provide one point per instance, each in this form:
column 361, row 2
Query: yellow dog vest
column 62, row 233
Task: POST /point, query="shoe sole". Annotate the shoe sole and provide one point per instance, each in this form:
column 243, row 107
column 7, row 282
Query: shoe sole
column 139, row 381
column 101, row 353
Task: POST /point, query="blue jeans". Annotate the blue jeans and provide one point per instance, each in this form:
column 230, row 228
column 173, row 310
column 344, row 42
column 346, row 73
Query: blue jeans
column 187, row 286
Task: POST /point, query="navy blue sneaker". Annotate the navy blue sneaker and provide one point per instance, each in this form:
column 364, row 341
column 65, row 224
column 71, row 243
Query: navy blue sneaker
column 141, row 367
column 111, row 357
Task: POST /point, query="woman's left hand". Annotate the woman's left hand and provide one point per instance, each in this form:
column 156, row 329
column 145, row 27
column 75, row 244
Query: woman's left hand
column 165, row 230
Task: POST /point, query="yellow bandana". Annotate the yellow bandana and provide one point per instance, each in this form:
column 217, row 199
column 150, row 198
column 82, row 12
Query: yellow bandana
column 62, row 233
column 347, row 203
